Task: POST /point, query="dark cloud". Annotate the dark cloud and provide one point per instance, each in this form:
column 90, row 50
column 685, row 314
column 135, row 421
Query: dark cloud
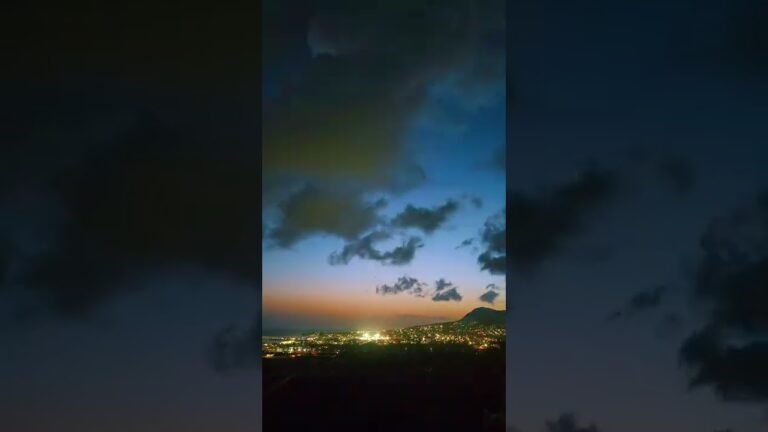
column 425, row 219
column 315, row 211
column 540, row 225
column 236, row 348
column 736, row 373
column 642, row 301
column 343, row 115
column 363, row 248
column 568, row 423
column 444, row 290
column 404, row 253
column 730, row 352
column 476, row 201
column 447, row 295
column 489, row 296
column 467, row 242
column 442, row 284
column 172, row 178
column 336, row 221
column 341, row 103
column 404, row 284
column 493, row 239
column 154, row 196
column 678, row 174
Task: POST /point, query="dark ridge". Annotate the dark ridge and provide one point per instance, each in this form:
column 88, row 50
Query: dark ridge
column 486, row 316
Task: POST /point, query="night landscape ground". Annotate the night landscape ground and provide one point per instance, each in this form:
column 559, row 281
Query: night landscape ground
column 377, row 386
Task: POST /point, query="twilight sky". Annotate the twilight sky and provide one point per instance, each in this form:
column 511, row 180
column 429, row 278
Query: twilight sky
column 130, row 243
column 670, row 98
column 383, row 153
column 129, row 216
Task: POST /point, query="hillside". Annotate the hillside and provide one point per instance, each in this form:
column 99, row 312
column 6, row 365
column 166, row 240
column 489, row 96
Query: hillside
column 486, row 316
column 482, row 316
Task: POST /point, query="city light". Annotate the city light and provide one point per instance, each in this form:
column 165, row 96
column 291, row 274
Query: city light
column 477, row 336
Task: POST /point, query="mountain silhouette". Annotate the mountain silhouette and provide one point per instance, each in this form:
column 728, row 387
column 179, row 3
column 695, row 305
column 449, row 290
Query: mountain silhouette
column 485, row 316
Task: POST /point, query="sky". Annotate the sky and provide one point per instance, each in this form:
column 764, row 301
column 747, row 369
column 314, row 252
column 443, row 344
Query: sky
column 130, row 175
column 631, row 261
column 129, row 252
column 668, row 99
column 383, row 154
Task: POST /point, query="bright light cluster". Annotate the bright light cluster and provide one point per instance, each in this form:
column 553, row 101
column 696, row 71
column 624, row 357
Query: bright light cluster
column 480, row 337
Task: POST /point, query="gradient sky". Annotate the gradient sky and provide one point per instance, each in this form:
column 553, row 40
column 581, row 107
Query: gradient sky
column 454, row 164
column 129, row 155
column 451, row 134
column 630, row 85
column 130, row 222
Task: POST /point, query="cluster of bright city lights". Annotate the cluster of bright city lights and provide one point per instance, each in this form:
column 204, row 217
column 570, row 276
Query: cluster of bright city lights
column 478, row 336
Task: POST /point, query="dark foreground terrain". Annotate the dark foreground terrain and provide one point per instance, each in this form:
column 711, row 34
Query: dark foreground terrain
column 387, row 388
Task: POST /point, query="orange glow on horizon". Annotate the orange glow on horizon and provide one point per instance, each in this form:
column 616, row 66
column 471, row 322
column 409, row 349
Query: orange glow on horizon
column 363, row 306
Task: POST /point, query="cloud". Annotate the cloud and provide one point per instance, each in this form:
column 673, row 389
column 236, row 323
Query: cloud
column 444, row 290
column 476, row 201
column 677, row 174
column 447, row 295
column 642, row 301
column 404, row 284
column 567, row 423
column 173, row 179
column 489, row 297
column 427, row 220
column 466, row 242
column 155, row 195
column 540, row 225
column 442, row 284
column 363, row 248
column 736, row 373
column 339, row 111
column 312, row 211
column 729, row 353
column 343, row 116
column 493, row 239
column 491, row 294
column 404, row 253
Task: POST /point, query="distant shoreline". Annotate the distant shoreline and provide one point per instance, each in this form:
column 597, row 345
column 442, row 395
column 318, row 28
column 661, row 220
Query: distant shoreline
column 300, row 332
